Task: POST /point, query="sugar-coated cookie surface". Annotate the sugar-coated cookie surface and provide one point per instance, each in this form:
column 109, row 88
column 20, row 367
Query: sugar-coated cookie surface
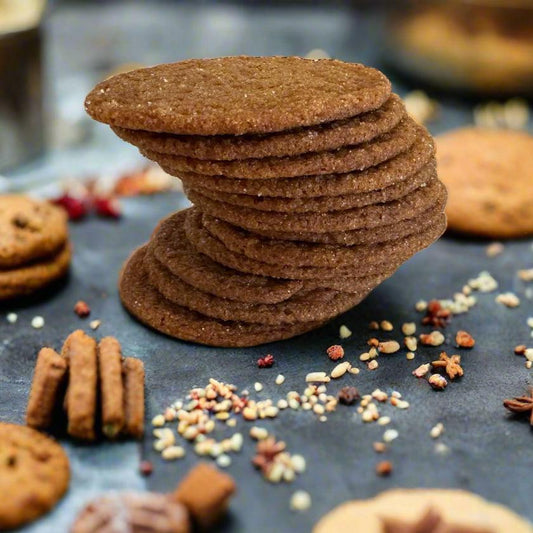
column 489, row 176
column 34, row 474
column 237, row 95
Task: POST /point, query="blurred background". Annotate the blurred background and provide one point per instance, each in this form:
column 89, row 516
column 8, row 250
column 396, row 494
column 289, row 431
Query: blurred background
column 456, row 62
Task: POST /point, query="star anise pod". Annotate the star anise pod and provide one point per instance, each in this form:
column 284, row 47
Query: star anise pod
column 265, row 452
column 521, row 405
column 451, row 365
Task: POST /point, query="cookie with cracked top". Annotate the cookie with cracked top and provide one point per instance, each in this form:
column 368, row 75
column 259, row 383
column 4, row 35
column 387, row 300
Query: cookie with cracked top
column 345, row 159
column 237, row 95
column 34, row 475
column 148, row 306
column 326, row 136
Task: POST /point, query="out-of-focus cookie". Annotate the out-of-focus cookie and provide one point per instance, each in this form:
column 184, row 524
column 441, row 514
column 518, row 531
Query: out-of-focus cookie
column 34, row 474
column 32, row 277
column 489, row 177
column 152, row 309
column 237, row 95
column 327, row 136
column 402, row 510
column 346, row 159
column 30, row 230
column 132, row 512
column 133, row 378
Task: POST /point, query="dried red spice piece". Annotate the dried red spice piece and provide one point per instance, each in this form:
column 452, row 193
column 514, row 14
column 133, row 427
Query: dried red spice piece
column 146, row 468
column 464, row 339
column 522, row 405
column 265, row 362
column 348, row 395
column 436, row 315
column 384, row 468
column 107, row 207
column 82, row 309
column 335, row 352
column 265, row 452
column 76, row 208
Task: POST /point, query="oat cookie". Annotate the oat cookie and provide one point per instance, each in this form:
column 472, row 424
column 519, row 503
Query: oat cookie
column 326, row 136
column 80, row 350
column 204, row 274
column 349, row 219
column 346, row 159
column 322, row 204
column 28, row 279
column 111, row 387
column 29, row 230
column 152, row 309
column 402, row 509
column 131, row 512
column 47, row 386
column 489, row 176
column 237, row 95
column 34, row 474
column 390, row 172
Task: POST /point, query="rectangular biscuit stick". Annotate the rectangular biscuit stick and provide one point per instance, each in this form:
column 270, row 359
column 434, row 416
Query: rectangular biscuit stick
column 80, row 350
column 48, row 377
column 111, row 387
column 133, row 376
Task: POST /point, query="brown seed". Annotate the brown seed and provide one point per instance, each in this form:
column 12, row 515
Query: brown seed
column 82, row 309
column 348, row 395
column 146, row 468
column 373, row 325
column 520, row 349
column 384, row 468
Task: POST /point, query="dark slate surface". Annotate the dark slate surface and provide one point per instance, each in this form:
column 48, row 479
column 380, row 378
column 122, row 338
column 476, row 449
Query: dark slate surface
column 490, row 453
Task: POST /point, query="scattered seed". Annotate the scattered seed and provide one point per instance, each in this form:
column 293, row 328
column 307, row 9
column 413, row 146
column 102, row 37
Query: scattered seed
column 437, row 430
column 411, row 343
column 437, row 381
column 386, row 325
column 354, row 370
column 409, row 356
column 384, row 420
column 494, row 249
column 372, row 365
column 258, row 386
column 340, row 370
column 390, row 435
column 146, row 468
column 422, row 370
column 379, row 447
column 82, row 309
column 94, row 324
column 421, row 306
column 408, row 328
column 335, row 352
column 388, row 347
column 435, row 338
column 318, row 377
column 508, row 299
column 223, row 460
column 373, row 325
column 384, row 468
column 158, row 421
column 280, row 378
column 344, row 332
column 520, row 349
column 300, row 501
column 173, row 452
column 526, row 275
column 37, row 322
column 463, row 339
column 12, row 317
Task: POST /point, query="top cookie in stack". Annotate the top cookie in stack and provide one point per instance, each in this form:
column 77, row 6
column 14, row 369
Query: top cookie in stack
column 311, row 186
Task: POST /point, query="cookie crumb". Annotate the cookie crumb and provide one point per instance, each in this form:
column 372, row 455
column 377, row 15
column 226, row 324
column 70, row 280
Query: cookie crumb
column 37, row 322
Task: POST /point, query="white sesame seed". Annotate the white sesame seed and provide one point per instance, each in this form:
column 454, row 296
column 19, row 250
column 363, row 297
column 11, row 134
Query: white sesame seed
column 300, row 501
column 12, row 318
column 280, row 378
column 158, row 421
column 384, row 420
column 340, row 369
column 94, row 324
column 37, row 322
column 344, row 332
column 390, row 435
column 258, row 386
column 354, row 370
column 437, row 430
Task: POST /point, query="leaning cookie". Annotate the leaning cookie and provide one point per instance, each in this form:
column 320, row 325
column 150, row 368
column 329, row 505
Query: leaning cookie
column 444, row 510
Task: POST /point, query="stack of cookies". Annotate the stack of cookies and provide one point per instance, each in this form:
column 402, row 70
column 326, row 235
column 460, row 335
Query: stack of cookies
column 310, row 186
column 34, row 246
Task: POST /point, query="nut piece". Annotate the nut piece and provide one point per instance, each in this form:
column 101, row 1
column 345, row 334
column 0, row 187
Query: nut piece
column 464, row 339
column 409, row 328
column 437, row 381
column 422, row 370
column 388, row 347
column 205, row 492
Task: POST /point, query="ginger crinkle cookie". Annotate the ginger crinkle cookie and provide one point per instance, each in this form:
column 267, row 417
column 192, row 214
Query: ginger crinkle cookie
column 489, row 176
column 34, row 475
column 311, row 186
column 34, row 246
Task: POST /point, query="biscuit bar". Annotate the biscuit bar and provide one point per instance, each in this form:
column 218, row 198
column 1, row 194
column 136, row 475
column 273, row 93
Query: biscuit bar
column 206, row 492
column 111, row 387
column 48, row 378
column 133, row 379
column 80, row 350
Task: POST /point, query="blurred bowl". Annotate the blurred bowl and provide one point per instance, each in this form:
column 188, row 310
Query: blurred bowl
column 484, row 46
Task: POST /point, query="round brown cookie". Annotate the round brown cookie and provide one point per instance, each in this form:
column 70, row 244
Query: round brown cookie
column 345, row 159
column 149, row 307
column 374, row 178
column 205, row 243
column 304, row 306
column 360, row 217
column 29, row 230
column 489, row 176
column 28, row 279
column 34, row 474
column 327, row 136
column 422, row 510
column 237, row 95
column 323, row 204
column 270, row 251
column 130, row 512
column 205, row 275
